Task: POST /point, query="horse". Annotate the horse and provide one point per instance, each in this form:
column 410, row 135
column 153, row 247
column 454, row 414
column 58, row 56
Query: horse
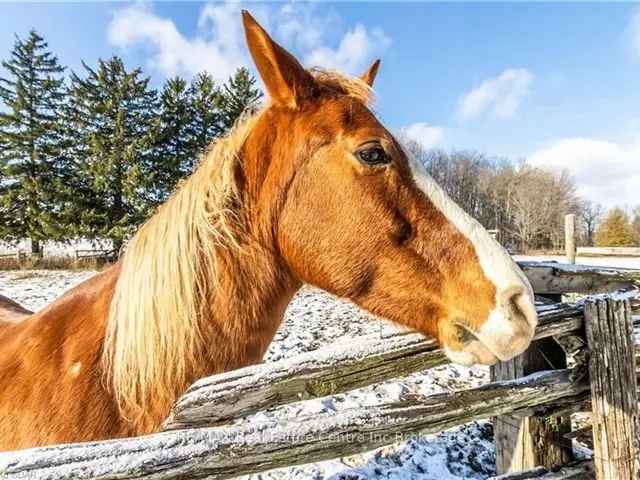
column 11, row 311
column 310, row 189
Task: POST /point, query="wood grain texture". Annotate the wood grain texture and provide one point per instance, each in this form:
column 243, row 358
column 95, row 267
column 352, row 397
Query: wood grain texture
column 525, row 441
column 614, row 397
column 230, row 451
column 342, row 367
column 557, row 278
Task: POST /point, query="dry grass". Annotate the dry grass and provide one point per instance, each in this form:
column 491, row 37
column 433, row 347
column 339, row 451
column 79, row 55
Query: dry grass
column 51, row 263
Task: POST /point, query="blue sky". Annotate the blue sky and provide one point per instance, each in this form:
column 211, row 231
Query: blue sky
column 556, row 83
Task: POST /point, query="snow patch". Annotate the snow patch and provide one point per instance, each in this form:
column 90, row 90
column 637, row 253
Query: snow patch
column 314, row 320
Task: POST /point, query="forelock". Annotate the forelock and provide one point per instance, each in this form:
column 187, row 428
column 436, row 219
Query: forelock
column 342, row 84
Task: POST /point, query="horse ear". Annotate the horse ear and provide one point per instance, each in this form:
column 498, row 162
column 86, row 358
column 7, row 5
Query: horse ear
column 286, row 80
column 370, row 75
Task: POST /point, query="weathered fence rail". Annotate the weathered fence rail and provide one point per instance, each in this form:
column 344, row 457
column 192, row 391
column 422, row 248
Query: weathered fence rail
column 230, row 451
column 548, row 278
column 611, row 251
column 17, row 255
column 94, row 253
column 200, row 440
column 574, row 471
column 329, row 371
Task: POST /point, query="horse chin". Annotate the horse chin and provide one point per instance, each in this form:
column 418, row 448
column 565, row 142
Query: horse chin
column 472, row 353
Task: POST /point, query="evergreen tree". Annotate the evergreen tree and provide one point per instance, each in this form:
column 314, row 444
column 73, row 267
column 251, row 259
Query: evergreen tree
column 188, row 122
column 615, row 230
column 30, row 143
column 112, row 118
column 206, row 100
column 6, row 216
column 175, row 137
column 239, row 94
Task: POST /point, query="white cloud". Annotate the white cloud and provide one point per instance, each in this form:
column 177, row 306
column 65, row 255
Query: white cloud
column 218, row 44
column 500, row 95
column 299, row 26
column 220, row 52
column 427, row 136
column 605, row 172
column 633, row 33
column 357, row 47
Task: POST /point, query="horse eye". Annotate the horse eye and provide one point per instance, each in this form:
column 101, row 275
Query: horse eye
column 373, row 155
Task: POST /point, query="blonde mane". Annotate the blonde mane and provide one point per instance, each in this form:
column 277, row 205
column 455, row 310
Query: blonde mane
column 154, row 326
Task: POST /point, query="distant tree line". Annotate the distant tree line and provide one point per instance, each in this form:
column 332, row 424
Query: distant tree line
column 91, row 154
column 525, row 204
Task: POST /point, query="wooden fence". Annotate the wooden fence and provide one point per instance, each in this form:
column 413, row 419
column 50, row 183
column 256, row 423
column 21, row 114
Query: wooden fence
column 78, row 254
column 18, row 255
column 609, row 251
column 94, row 253
column 200, row 438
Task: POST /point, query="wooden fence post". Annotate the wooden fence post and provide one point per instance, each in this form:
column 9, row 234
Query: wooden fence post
column 614, row 398
column 522, row 442
column 570, row 237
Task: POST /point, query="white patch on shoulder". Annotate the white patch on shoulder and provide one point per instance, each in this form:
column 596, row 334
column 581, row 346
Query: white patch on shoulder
column 74, row 371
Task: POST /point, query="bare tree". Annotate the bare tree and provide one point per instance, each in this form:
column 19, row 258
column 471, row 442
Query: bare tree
column 590, row 214
column 525, row 204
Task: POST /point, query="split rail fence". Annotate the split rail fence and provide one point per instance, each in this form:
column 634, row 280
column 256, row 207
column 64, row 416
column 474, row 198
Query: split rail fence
column 582, row 359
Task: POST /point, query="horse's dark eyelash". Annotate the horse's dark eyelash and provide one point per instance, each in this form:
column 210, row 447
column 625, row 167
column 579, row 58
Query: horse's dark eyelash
column 362, row 153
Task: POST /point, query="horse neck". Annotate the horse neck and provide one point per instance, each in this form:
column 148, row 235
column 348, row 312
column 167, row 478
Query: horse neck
column 254, row 284
column 238, row 324
column 247, row 308
column 246, row 301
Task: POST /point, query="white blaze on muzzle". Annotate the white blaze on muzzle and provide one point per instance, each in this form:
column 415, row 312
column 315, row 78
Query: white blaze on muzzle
column 510, row 327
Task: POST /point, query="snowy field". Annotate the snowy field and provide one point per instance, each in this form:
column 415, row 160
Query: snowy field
column 50, row 248
column 315, row 320
column 622, row 262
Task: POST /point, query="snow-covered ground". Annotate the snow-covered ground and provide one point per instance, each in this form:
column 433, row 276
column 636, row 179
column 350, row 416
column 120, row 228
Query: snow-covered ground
column 314, row 320
column 622, row 262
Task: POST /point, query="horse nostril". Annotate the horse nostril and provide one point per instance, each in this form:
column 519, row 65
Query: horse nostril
column 518, row 306
column 511, row 326
column 511, row 299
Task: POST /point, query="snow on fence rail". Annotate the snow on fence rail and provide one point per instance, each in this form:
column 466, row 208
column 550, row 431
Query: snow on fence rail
column 549, row 278
column 328, row 371
column 230, row 451
column 199, row 440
